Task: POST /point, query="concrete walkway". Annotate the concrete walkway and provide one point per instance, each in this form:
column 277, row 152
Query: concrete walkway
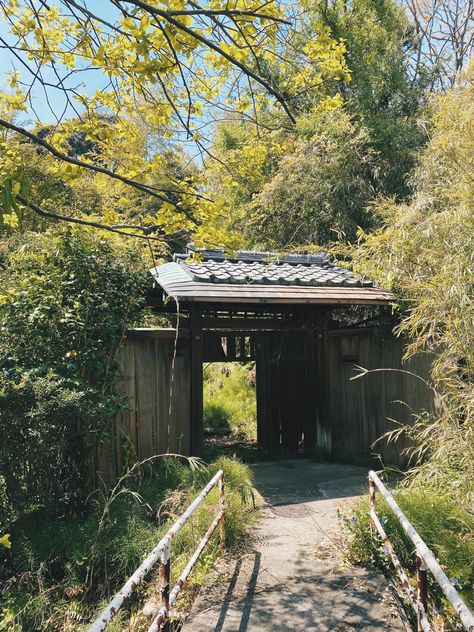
column 293, row 577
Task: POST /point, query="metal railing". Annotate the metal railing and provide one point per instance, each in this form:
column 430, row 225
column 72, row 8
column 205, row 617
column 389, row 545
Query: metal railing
column 162, row 552
column 425, row 560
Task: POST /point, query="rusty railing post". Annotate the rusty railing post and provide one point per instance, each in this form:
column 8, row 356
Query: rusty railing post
column 372, row 504
column 165, row 567
column 422, row 589
column 222, row 509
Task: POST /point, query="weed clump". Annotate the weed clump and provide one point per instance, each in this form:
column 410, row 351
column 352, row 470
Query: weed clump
column 230, row 405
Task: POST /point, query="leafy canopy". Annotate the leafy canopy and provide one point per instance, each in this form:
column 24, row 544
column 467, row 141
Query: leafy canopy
column 312, row 183
column 168, row 69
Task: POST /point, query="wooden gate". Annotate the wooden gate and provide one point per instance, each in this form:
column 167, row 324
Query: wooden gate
column 286, row 393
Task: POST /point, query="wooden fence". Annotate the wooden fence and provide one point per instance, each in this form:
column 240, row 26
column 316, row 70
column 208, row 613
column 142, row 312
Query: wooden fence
column 156, row 382
column 364, row 409
column 342, row 416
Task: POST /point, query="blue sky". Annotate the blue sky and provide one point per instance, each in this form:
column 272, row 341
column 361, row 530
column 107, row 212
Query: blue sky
column 88, row 83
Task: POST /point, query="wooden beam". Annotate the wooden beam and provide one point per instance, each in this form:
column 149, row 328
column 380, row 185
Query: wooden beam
column 197, row 403
column 257, row 324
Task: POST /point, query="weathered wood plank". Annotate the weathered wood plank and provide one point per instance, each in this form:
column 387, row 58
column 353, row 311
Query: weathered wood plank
column 196, row 393
column 145, row 383
column 179, row 419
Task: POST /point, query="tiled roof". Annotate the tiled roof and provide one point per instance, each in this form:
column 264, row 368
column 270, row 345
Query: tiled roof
column 262, row 277
column 265, row 268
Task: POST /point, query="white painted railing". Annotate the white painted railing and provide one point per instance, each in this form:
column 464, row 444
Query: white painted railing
column 425, row 560
column 162, row 552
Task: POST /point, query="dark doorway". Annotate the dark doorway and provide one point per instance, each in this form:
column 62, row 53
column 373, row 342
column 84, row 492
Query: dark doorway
column 278, row 372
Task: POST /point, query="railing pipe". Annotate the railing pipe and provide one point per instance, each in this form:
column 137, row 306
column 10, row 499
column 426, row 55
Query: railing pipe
column 111, row 610
column 165, row 572
column 428, row 558
column 222, row 508
column 421, row 613
column 372, row 504
column 163, row 614
column 164, row 545
column 421, row 588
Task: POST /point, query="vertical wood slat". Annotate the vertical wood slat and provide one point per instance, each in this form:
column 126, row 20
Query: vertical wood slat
column 324, row 430
column 196, row 394
column 312, row 394
column 146, row 401
column 162, row 393
column 178, row 421
column 361, row 409
column 120, row 430
column 261, row 377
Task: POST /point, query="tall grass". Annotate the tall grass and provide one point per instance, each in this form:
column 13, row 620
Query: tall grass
column 445, row 525
column 59, row 573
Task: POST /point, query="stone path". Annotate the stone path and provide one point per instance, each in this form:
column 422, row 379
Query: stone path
column 293, row 578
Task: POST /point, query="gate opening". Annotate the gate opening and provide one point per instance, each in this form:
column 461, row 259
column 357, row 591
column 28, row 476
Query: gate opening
column 230, row 409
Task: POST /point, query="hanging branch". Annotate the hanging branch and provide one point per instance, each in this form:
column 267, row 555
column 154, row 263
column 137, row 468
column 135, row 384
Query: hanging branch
column 168, row 16
column 119, row 229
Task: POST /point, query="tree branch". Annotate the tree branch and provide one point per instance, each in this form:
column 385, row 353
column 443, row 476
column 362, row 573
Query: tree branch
column 86, row 165
column 84, row 222
column 209, row 44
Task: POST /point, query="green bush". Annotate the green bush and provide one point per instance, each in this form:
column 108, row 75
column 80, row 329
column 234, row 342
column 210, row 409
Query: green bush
column 444, row 524
column 66, row 297
column 217, row 418
column 63, row 570
column 230, row 405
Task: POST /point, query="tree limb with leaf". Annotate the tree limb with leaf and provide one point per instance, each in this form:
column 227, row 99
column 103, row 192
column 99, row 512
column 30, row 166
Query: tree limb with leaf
column 170, row 69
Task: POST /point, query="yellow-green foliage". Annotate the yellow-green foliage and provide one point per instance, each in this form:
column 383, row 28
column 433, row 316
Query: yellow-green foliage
column 424, row 251
column 230, row 405
column 168, row 66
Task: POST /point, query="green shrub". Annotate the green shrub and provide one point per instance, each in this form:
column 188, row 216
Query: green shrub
column 66, row 297
column 61, row 571
column 217, row 418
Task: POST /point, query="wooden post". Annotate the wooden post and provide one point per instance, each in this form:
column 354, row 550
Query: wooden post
column 197, row 404
column 260, row 369
column 323, row 437
column 422, row 588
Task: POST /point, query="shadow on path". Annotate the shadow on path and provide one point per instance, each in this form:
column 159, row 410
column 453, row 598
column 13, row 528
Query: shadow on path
column 294, row 580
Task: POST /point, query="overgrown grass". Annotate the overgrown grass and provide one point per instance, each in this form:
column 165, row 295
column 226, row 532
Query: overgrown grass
column 59, row 573
column 230, row 405
column 444, row 524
